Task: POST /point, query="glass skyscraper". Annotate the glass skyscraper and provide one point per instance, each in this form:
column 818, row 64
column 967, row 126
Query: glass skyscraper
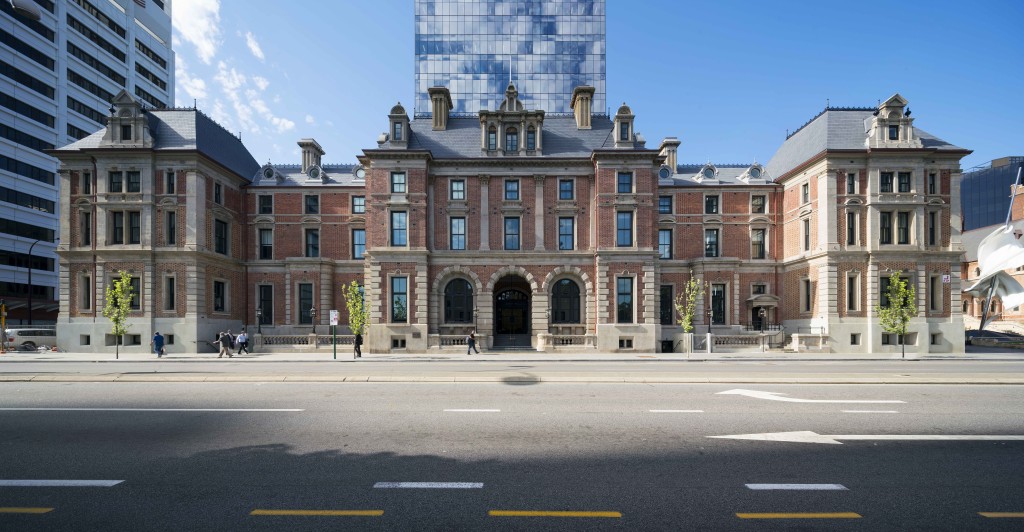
column 474, row 48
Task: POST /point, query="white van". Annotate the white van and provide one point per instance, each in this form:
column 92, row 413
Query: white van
column 27, row 339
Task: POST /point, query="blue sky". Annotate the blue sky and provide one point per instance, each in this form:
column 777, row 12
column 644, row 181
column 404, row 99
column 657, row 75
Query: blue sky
column 727, row 78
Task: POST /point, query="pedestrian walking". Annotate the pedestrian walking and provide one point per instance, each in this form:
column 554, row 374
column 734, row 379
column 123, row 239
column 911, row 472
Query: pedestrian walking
column 358, row 343
column 225, row 344
column 158, row 344
column 471, row 344
column 243, row 342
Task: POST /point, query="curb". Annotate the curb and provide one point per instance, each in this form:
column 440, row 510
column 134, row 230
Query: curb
column 512, row 379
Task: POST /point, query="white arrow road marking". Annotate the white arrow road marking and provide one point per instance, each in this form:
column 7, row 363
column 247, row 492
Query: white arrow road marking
column 776, row 396
column 796, row 486
column 431, row 485
column 60, row 483
column 806, row 436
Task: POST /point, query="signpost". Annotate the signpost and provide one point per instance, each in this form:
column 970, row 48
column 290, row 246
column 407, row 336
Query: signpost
column 334, row 332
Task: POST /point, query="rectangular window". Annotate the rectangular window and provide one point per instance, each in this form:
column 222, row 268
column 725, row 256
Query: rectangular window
column 171, row 228
column 883, row 288
column 903, row 182
column 266, row 304
column 511, row 232
column 220, row 237
column 808, row 293
column 934, row 293
column 711, row 242
column 266, row 244
column 136, row 287
column 894, row 132
column 86, row 183
column 305, row 303
column 86, row 234
column 531, row 139
column 807, row 234
column 86, row 292
column 757, row 204
column 218, row 194
column 624, row 131
column 624, row 300
column 664, row 243
column 134, row 181
column 624, row 229
column 117, row 225
column 358, row 243
column 399, row 299
column 126, row 132
column 492, row 139
column 511, row 190
column 885, row 182
column 625, row 183
column 855, row 339
column 458, row 190
column 457, row 238
column 759, row 289
column 169, row 293
column 885, row 228
column 312, row 204
column 115, row 182
column 710, row 204
column 399, row 228
column 757, row 243
column 266, row 204
column 852, row 292
column 718, row 304
column 667, row 305
column 398, row 131
column 566, row 189
column 312, row 242
column 398, row 182
column 903, row 227
column 566, row 233
column 805, row 193
column 851, row 183
column 134, row 227
column 932, row 227
column 851, row 229
column 358, row 204
column 664, row 204
column 170, row 182
column 932, row 183
column 219, row 295
column 511, row 139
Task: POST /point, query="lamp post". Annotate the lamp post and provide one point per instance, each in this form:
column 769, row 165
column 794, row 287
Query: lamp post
column 259, row 320
column 312, row 317
column 30, row 280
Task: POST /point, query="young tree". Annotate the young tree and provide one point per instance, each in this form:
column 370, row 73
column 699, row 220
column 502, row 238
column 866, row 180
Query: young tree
column 119, row 301
column 686, row 302
column 902, row 306
column 358, row 311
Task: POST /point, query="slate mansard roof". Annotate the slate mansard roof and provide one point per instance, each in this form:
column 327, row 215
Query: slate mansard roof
column 559, row 137
column 835, row 129
column 187, row 129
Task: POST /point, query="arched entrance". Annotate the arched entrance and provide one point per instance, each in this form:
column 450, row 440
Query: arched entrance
column 512, row 312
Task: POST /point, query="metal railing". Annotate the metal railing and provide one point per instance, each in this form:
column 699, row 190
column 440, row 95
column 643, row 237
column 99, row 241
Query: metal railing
column 286, row 339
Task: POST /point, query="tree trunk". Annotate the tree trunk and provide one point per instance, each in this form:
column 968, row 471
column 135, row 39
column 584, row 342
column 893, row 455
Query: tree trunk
column 117, row 347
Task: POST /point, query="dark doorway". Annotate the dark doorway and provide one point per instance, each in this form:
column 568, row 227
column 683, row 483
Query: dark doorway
column 512, row 312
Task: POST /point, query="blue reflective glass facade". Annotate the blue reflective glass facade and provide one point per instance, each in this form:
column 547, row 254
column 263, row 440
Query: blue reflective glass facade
column 469, row 46
column 985, row 194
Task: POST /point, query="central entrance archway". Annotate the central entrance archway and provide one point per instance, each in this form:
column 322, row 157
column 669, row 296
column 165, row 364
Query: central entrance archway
column 512, row 312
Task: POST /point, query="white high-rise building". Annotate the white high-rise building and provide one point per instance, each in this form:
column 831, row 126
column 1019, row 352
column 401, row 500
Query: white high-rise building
column 61, row 63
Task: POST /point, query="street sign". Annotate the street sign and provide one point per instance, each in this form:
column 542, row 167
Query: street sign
column 334, row 317
column 945, row 279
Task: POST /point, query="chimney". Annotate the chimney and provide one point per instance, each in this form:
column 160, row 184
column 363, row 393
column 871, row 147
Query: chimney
column 668, row 150
column 311, row 153
column 582, row 98
column 440, row 105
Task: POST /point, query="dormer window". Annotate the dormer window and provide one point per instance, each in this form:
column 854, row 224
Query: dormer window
column 709, row 173
column 624, row 131
column 397, row 135
column 511, row 140
column 755, row 172
column 894, row 132
column 492, row 138
column 126, row 132
column 531, row 138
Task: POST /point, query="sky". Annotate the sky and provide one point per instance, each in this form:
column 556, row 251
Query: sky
column 728, row 78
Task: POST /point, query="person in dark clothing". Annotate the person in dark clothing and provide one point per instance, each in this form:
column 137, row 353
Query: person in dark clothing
column 471, row 344
column 158, row 344
column 358, row 344
column 226, row 342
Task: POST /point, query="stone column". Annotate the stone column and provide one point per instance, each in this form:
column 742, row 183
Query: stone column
column 195, row 211
column 431, row 208
column 538, row 214
column 485, row 213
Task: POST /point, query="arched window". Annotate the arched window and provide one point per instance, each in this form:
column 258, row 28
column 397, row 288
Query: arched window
column 492, row 138
column 565, row 302
column 511, row 139
column 531, row 138
column 458, row 302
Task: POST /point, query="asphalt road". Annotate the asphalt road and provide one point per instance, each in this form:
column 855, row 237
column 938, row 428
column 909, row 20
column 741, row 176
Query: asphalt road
column 616, row 456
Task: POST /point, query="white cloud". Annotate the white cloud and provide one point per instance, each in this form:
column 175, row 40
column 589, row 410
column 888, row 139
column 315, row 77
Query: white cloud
column 310, row 120
column 194, row 87
column 261, row 82
column 198, row 23
column 254, row 47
